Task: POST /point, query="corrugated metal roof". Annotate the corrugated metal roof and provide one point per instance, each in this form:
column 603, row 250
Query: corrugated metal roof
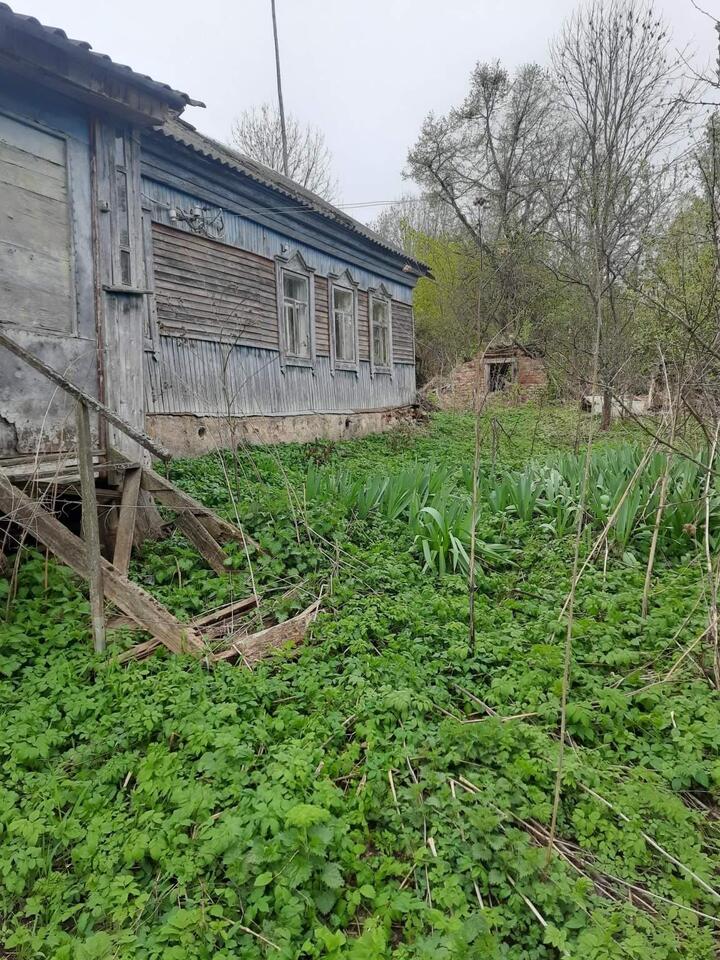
column 83, row 48
column 184, row 133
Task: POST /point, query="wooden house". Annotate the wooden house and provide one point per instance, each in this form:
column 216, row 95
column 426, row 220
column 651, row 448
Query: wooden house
column 199, row 295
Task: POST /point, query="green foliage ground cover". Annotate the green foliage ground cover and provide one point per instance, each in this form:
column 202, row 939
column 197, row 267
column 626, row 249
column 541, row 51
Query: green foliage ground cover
column 310, row 808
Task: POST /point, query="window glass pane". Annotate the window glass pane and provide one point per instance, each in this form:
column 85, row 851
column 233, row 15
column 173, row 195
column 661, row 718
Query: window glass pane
column 297, row 329
column 381, row 333
column 295, row 287
column 342, row 300
column 380, row 311
column 344, row 321
column 348, row 338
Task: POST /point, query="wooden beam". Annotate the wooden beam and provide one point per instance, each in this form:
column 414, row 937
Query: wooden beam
column 90, row 526
column 148, row 613
column 85, row 398
column 171, row 496
column 226, row 612
column 250, row 648
column 139, row 652
column 126, row 520
column 206, row 546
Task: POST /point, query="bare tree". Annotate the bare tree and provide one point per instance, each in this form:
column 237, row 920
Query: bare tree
column 495, row 155
column 402, row 222
column 627, row 104
column 258, row 134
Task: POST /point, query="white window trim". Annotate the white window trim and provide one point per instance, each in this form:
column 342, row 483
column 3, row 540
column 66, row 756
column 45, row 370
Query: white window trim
column 294, row 264
column 380, row 294
column 343, row 282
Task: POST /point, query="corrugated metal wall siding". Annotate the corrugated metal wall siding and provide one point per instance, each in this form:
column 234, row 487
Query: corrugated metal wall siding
column 188, row 376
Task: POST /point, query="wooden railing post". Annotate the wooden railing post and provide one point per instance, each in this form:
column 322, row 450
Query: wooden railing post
column 90, row 526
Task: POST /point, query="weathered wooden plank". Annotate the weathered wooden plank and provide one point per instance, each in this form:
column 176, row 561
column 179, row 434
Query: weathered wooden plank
column 250, row 648
column 19, row 178
column 207, row 546
column 143, row 608
column 226, row 612
column 171, row 496
column 146, row 442
column 126, row 520
column 206, row 288
column 36, row 288
column 363, row 328
column 322, row 319
column 90, row 527
column 32, row 142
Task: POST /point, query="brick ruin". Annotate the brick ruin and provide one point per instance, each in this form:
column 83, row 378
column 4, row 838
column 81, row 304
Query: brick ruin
column 513, row 369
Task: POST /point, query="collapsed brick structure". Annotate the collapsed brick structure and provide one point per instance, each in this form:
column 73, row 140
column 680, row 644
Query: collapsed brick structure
column 516, row 367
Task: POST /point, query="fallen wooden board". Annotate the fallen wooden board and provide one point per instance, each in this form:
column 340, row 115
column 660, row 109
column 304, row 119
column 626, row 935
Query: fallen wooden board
column 206, row 545
column 143, row 608
column 252, row 647
column 225, row 612
column 215, row 623
column 171, row 496
column 126, row 520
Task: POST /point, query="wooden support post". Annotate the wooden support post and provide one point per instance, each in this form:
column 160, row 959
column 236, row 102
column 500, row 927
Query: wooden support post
column 126, row 520
column 90, row 526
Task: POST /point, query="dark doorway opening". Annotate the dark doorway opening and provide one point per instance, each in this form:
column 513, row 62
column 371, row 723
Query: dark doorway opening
column 500, row 375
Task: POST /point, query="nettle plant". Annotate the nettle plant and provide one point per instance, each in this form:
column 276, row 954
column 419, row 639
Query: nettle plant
column 379, row 791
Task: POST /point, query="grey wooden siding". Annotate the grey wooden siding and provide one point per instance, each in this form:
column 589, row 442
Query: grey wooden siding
column 36, row 275
column 213, row 379
column 239, row 231
column 402, row 333
column 51, row 189
column 322, row 319
column 207, row 289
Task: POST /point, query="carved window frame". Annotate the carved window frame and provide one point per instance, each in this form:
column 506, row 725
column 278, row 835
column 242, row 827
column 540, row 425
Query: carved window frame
column 343, row 281
column 380, row 294
column 295, row 264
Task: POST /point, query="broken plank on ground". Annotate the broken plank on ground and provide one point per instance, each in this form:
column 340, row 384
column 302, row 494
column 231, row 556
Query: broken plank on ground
column 252, row 647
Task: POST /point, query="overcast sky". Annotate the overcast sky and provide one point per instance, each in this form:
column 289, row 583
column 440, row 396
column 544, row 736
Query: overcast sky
column 365, row 71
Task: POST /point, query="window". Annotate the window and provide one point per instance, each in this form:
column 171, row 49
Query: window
column 344, row 324
column 123, row 213
column 500, row 374
column 342, row 300
column 296, row 313
column 380, row 333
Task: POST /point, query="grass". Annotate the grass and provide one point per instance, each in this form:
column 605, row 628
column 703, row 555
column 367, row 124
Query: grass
column 355, row 799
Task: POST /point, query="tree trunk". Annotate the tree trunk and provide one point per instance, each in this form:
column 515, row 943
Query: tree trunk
column 606, row 409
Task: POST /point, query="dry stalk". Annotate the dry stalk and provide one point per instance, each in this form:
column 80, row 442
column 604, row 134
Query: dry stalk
column 712, row 630
column 479, row 402
column 662, row 499
column 654, row 844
